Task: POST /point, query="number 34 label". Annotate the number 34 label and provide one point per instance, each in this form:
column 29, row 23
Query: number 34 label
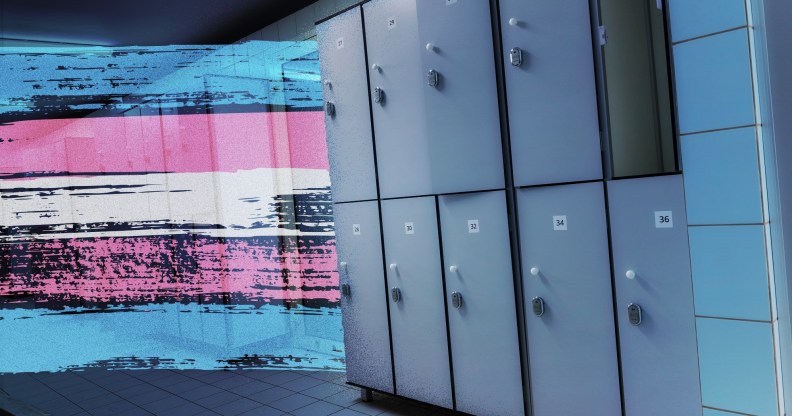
column 664, row 219
column 559, row 222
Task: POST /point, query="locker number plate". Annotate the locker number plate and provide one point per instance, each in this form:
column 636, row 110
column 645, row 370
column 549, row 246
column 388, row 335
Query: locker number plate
column 473, row 226
column 450, row 2
column 355, row 229
column 664, row 219
column 559, row 222
column 409, row 228
column 391, row 22
column 340, row 43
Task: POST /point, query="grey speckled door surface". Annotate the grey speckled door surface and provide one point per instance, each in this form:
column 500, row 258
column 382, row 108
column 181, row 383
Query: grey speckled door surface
column 418, row 315
column 348, row 118
column 651, row 262
column 552, row 98
column 365, row 313
column 400, row 117
column 566, row 264
column 463, row 120
column 484, row 344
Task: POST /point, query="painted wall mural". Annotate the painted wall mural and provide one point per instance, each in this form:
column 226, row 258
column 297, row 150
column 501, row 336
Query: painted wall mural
column 166, row 207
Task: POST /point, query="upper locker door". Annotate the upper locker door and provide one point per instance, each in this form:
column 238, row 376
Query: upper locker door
column 418, row 315
column 396, row 87
column 569, row 300
column 460, row 90
column 347, row 114
column 363, row 295
column 657, row 329
column 481, row 305
column 551, row 91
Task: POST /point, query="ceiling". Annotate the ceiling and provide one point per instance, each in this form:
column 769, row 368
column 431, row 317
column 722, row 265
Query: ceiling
column 140, row 22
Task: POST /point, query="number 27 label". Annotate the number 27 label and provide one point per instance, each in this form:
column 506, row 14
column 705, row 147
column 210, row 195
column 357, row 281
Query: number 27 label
column 664, row 219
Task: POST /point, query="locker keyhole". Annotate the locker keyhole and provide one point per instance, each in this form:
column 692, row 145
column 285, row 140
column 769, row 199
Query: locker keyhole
column 538, row 306
column 378, row 95
column 634, row 314
column 456, row 299
column 345, row 290
column 433, row 78
column 330, row 109
column 395, row 295
column 516, row 56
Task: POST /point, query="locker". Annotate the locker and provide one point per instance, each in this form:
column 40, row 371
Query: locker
column 651, row 263
column 567, row 281
column 418, row 316
column 551, row 91
column 481, row 304
column 364, row 296
column 347, row 117
column 434, row 96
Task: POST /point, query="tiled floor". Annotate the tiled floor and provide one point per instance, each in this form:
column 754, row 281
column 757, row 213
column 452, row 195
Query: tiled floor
column 200, row 393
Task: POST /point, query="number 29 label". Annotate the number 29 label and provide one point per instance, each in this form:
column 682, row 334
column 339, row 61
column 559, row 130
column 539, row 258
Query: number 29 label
column 664, row 219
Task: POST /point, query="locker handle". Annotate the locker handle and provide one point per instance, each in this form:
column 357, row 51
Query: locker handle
column 330, row 109
column 630, row 274
column 346, row 291
column 379, row 95
column 516, row 57
column 393, row 267
column 433, row 78
column 514, row 22
column 538, row 306
column 396, row 295
column 634, row 314
column 534, row 271
column 453, row 269
column 456, row 300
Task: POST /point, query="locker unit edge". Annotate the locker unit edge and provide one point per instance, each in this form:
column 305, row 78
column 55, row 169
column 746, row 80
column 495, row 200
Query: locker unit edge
column 455, row 249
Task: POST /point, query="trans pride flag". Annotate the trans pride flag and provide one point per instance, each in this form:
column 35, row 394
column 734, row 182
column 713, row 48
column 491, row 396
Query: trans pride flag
column 166, row 207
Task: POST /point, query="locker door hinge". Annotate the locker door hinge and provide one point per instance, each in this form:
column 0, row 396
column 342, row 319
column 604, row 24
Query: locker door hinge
column 603, row 35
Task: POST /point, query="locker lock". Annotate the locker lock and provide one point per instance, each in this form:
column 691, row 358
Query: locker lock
column 634, row 314
column 378, row 95
column 538, row 306
column 345, row 290
column 516, row 57
column 330, row 109
column 395, row 295
column 433, row 78
column 456, row 299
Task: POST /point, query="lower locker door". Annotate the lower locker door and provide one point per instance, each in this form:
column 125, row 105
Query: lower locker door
column 657, row 327
column 481, row 304
column 569, row 300
column 363, row 295
column 418, row 316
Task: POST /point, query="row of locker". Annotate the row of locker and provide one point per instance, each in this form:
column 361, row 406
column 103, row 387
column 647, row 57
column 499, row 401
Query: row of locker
column 431, row 100
column 429, row 301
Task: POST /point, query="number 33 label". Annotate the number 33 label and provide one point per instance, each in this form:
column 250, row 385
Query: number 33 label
column 664, row 219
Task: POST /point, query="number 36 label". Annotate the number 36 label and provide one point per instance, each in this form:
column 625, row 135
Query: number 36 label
column 664, row 219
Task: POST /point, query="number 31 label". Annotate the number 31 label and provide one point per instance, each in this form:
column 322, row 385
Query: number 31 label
column 664, row 219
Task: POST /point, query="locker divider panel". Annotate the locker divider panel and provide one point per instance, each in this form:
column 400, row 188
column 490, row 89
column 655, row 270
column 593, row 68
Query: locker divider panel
column 403, row 159
column 418, row 315
column 347, row 114
column 566, row 273
column 462, row 113
column 365, row 313
column 552, row 97
column 483, row 329
column 657, row 328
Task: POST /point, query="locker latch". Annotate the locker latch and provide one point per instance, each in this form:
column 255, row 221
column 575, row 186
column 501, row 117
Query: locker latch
column 378, row 95
column 395, row 295
column 330, row 109
column 345, row 290
column 456, row 299
column 538, row 306
column 433, row 78
column 634, row 314
column 515, row 56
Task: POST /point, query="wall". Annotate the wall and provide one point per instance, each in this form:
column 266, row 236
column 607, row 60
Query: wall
column 721, row 137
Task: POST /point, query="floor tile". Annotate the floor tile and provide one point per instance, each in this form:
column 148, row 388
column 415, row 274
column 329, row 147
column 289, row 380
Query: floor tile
column 317, row 409
column 293, row 402
column 237, row 407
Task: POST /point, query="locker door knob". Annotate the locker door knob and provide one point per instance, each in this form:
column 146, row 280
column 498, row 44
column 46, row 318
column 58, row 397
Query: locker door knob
column 514, row 22
column 630, row 274
column 345, row 290
column 534, row 271
column 393, row 267
column 430, row 47
column 453, row 269
column 395, row 295
column 375, row 67
column 456, row 299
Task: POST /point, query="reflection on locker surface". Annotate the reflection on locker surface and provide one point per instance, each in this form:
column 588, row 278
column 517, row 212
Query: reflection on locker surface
column 363, row 295
column 654, row 296
column 418, row 316
column 550, row 86
column 481, row 310
column 347, row 119
column 566, row 273
column 434, row 97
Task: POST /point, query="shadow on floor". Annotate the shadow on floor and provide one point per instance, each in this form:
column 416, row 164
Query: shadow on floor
column 195, row 393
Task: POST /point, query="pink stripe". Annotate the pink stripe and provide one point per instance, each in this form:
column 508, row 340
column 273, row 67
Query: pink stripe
column 170, row 143
column 140, row 269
